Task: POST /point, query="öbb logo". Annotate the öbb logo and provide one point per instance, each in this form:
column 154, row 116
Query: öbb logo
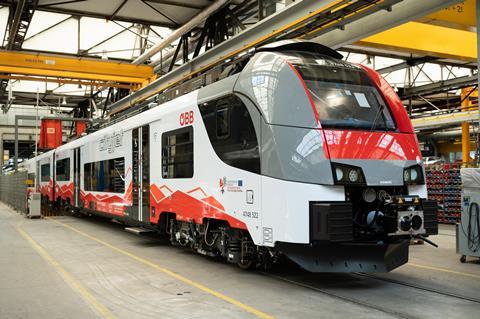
column 186, row 118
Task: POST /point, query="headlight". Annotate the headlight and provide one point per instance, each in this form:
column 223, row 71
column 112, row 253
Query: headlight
column 339, row 173
column 347, row 175
column 413, row 175
column 353, row 176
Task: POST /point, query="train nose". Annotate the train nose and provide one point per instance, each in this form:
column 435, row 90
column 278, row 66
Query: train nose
column 373, row 172
column 382, row 156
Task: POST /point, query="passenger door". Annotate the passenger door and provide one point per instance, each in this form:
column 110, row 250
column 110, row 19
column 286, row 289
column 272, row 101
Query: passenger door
column 76, row 176
column 145, row 172
column 136, row 204
column 141, row 174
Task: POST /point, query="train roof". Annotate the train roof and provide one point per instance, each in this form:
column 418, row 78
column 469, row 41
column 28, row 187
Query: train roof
column 43, row 155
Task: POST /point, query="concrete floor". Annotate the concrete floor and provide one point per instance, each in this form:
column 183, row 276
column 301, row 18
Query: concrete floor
column 68, row 267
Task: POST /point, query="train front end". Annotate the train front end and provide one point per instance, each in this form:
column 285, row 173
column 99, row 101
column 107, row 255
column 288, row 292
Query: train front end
column 340, row 131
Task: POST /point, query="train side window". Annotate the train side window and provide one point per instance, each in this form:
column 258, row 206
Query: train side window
column 105, row 176
column 45, row 172
column 89, row 180
column 232, row 133
column 62, row 170
column 177, row 153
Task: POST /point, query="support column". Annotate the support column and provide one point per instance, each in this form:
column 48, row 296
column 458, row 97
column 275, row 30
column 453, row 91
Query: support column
column 1, row 153
column 477, row 10
column 464, row 96
column 465, row 142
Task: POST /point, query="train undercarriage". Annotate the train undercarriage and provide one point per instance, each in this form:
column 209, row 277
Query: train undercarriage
column 369, row 232
column 216, row 239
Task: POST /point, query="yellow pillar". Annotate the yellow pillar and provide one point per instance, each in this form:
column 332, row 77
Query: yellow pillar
column 465, row 142
column 465, row 127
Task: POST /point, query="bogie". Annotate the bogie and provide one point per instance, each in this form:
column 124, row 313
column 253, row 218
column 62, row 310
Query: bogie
column 215, row 239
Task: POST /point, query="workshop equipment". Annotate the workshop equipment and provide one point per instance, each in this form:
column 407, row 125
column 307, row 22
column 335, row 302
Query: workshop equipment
column 468, row 230
column 34, row 205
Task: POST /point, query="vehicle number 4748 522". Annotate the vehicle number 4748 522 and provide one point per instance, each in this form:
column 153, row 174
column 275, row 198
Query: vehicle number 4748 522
column 250, row 214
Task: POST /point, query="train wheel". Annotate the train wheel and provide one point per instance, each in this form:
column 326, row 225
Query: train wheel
column 245, row 264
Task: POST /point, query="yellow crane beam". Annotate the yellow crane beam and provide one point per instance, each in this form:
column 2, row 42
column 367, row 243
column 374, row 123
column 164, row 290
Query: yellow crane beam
column 459, row 16
column 56, row 66
column 426, row 39
column 97, row 84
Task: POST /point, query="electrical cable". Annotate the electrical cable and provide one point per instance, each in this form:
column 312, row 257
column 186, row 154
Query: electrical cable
column 473, row 238
column 205, row 238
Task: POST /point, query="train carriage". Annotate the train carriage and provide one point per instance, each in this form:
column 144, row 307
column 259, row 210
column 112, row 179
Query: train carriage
column 298, row 154
column 45, row 172
column 63, row 192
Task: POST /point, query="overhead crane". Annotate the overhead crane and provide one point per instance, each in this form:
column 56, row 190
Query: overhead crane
column 460, row 16
column 427, row 40
column 66, row 69
column 449, row 33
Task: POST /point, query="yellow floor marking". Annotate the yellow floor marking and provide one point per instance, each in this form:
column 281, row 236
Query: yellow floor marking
column 203, row 288
column 444, row 270
column 89, row 298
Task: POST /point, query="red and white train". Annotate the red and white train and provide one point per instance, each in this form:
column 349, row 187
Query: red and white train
column 298, row 154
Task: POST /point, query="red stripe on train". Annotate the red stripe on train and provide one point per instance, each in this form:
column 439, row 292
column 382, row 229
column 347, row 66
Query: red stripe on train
column 64, row 192
column 188, row 208
column 108, row 203
column 371, row 145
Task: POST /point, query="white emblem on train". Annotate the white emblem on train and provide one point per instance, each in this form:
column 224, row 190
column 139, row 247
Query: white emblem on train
column 111, row 141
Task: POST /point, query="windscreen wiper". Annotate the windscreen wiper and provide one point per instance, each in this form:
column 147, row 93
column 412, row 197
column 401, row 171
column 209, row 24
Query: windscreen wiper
column 377, row 115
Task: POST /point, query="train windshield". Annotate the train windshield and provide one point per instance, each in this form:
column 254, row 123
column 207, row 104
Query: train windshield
column 344, row 95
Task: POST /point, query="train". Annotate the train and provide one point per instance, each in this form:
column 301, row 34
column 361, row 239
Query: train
column 299, row 154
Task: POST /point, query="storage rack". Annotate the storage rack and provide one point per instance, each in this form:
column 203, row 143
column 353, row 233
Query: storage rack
column 445, row 186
